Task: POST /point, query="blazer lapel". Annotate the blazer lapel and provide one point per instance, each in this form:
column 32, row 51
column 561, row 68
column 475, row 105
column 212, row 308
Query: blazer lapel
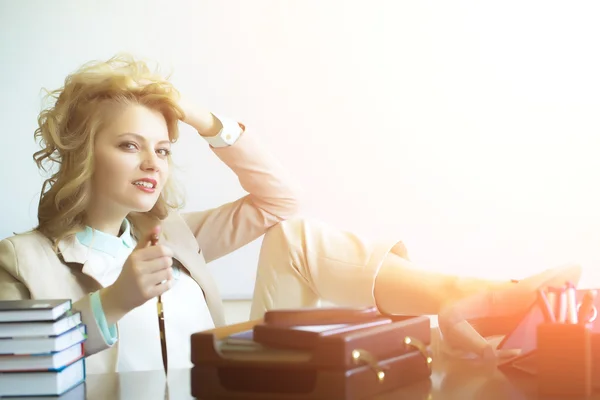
column 74, row 256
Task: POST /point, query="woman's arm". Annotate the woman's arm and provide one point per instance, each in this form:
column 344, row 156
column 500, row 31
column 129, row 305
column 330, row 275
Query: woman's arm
column 271, row 197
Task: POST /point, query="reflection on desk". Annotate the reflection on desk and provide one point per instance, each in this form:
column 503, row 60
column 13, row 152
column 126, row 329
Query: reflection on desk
column 452, row 379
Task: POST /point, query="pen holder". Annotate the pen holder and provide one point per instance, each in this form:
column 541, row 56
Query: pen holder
column 564, row 359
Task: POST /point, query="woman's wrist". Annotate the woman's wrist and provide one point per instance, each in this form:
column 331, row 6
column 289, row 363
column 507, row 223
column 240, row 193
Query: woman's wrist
column 112, row 305
column 209, row 129
column 202, row 120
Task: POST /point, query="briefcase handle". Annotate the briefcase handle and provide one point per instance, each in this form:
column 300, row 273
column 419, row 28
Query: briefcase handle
column 362, row 356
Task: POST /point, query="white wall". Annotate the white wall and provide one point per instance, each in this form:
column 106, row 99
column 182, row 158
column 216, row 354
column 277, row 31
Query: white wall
column 467, row 129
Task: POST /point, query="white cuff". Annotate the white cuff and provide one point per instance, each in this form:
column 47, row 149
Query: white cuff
column 227, row 136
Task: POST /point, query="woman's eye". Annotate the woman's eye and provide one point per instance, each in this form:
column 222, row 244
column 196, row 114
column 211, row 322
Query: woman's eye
column 164, row 152
column 129, row 146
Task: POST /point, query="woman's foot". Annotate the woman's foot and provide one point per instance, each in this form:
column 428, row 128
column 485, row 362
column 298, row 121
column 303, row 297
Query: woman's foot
column 466, row 322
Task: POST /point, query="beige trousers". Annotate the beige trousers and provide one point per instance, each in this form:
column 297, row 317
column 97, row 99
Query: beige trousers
column 303, row 261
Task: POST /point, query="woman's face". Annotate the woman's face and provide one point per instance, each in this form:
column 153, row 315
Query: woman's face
column 131, row 161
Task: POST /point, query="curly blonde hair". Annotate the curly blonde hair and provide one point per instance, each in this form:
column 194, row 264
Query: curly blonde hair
column 67, row 128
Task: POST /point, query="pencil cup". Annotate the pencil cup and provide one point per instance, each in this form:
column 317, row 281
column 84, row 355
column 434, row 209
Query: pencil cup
column 564, row 359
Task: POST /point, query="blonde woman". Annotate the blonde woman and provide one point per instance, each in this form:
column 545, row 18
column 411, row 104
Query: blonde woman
column 109, row 134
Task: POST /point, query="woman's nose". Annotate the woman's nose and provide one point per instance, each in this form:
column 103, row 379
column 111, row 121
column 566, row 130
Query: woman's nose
column 150, row 162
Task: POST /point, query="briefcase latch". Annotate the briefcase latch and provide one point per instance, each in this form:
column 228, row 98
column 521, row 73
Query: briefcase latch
column 360, row 355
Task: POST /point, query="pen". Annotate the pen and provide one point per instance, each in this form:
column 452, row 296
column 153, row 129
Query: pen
column 586, row 307
column 552, row 301
column 571, row 304
column 561, row 307
column 161, row 319
column 545, row 306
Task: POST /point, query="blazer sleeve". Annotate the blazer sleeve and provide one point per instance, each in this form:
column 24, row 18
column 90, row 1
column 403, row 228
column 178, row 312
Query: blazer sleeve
column 13, row 287
column 271, row 198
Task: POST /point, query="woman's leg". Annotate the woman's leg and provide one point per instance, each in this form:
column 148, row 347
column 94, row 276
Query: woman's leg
column 302, row 261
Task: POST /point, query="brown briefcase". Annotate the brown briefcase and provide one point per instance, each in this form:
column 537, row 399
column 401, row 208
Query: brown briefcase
column 355, row 364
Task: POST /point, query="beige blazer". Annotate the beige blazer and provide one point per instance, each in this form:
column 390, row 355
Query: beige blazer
column 29, row 268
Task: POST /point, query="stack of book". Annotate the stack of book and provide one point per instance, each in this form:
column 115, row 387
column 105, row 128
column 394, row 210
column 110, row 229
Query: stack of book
column 41, row 348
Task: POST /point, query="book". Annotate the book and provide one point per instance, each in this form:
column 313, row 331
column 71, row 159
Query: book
column 47, row 383
column 33, row 310
column 41, row 362
column 43, row 345
column 43, row 328
column 76, row 393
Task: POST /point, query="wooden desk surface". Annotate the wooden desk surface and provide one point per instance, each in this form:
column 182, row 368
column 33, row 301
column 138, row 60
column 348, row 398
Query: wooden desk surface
column 452, row 379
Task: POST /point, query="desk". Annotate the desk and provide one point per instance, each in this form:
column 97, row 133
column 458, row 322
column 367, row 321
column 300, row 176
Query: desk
column 451, row 379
